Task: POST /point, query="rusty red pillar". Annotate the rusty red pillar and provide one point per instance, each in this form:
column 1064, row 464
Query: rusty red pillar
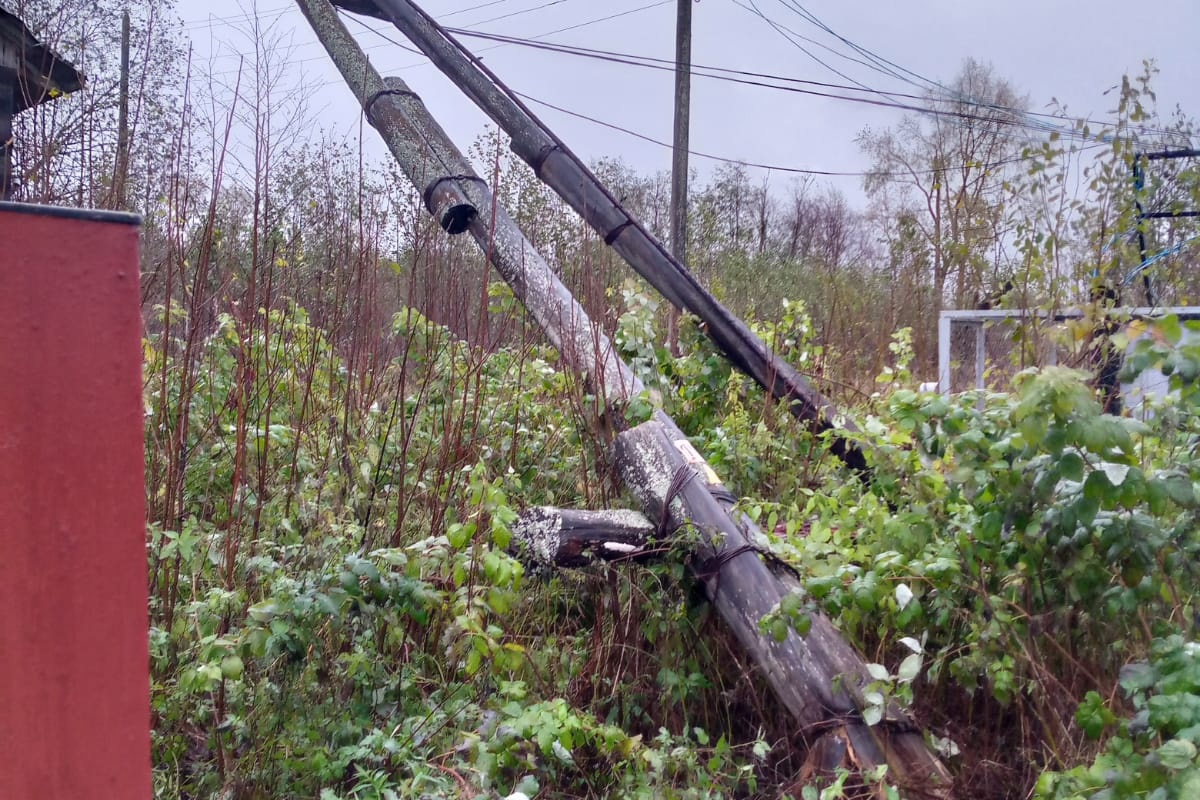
column 74, row 666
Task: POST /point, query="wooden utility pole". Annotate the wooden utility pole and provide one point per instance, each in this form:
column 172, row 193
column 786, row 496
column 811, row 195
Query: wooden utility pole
column 820, row 678
column 564, row 172
column 679, row 154
column 7, row 110
column 121, row 172
column 462, row 202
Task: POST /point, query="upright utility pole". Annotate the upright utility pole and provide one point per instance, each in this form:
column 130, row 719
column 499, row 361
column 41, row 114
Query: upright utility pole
column 679, row 155
column 122, row 166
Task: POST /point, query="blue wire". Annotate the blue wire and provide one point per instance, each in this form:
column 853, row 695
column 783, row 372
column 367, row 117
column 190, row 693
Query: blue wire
column 1154, row 259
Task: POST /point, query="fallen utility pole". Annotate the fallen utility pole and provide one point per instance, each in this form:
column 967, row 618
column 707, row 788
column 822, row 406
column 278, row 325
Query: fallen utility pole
column 819, row 678
column 570, row 178
column 569, row 537
column 462, row 202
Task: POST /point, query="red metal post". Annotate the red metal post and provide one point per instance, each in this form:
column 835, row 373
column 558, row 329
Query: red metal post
column 74, row 665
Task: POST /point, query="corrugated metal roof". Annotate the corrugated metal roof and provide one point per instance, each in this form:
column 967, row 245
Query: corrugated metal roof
column 42, row 73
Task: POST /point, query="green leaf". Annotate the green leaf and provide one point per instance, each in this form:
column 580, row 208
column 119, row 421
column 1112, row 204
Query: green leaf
column 1170, row 329
column 909, row 668
column 1116, row 473
column 879, row 672
column 1093, row 716
column 1070, row 466
column 1177, row 754
column 1179, row 488
column 459, row 534
column 232, row 667
column 1137, row 676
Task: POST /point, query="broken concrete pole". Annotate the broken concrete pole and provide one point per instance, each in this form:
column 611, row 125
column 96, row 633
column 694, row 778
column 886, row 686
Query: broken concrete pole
column 564, row 537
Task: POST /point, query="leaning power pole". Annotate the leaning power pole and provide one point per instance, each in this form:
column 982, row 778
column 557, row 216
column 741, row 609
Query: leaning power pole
column 679, row 153
column 819, row 677
column 564, row 172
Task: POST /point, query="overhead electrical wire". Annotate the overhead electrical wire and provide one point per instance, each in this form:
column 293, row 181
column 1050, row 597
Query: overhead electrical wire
column 891, row 99
column 519, row 13
column 512, row 14
column 617, row 57
column 213, row 20
column 788, row 34
column 575, row 26
column 791, row 36
column 891, row 69
column 881, row 64
column 757, row 165
column 712, row 72
column 889, row 96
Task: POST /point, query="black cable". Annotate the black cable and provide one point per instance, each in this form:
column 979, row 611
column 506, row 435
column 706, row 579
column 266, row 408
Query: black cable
column 703, row 70
column 928, row 84
column 631, row 60
column 772, row 167
column 520, row 12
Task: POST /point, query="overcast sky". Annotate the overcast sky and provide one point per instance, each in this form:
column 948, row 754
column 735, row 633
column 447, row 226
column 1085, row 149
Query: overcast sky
column 1069, row 50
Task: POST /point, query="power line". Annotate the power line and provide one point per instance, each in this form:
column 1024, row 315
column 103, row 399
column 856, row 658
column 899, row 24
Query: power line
column 771, row 167
column 630, row 60
column 389, row 40
column 213, row 20
column 713, row 72
column 519, row 13
column 891, row 69
column 891, row 99
column 788, row 33
column 880, row 64
column 321, row 56
column 927, row 85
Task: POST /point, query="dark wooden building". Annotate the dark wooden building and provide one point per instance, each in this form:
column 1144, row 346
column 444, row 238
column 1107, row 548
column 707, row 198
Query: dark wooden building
column 30, row 74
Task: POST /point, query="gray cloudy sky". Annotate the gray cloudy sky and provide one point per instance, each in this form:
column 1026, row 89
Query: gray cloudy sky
column 1069, row 50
